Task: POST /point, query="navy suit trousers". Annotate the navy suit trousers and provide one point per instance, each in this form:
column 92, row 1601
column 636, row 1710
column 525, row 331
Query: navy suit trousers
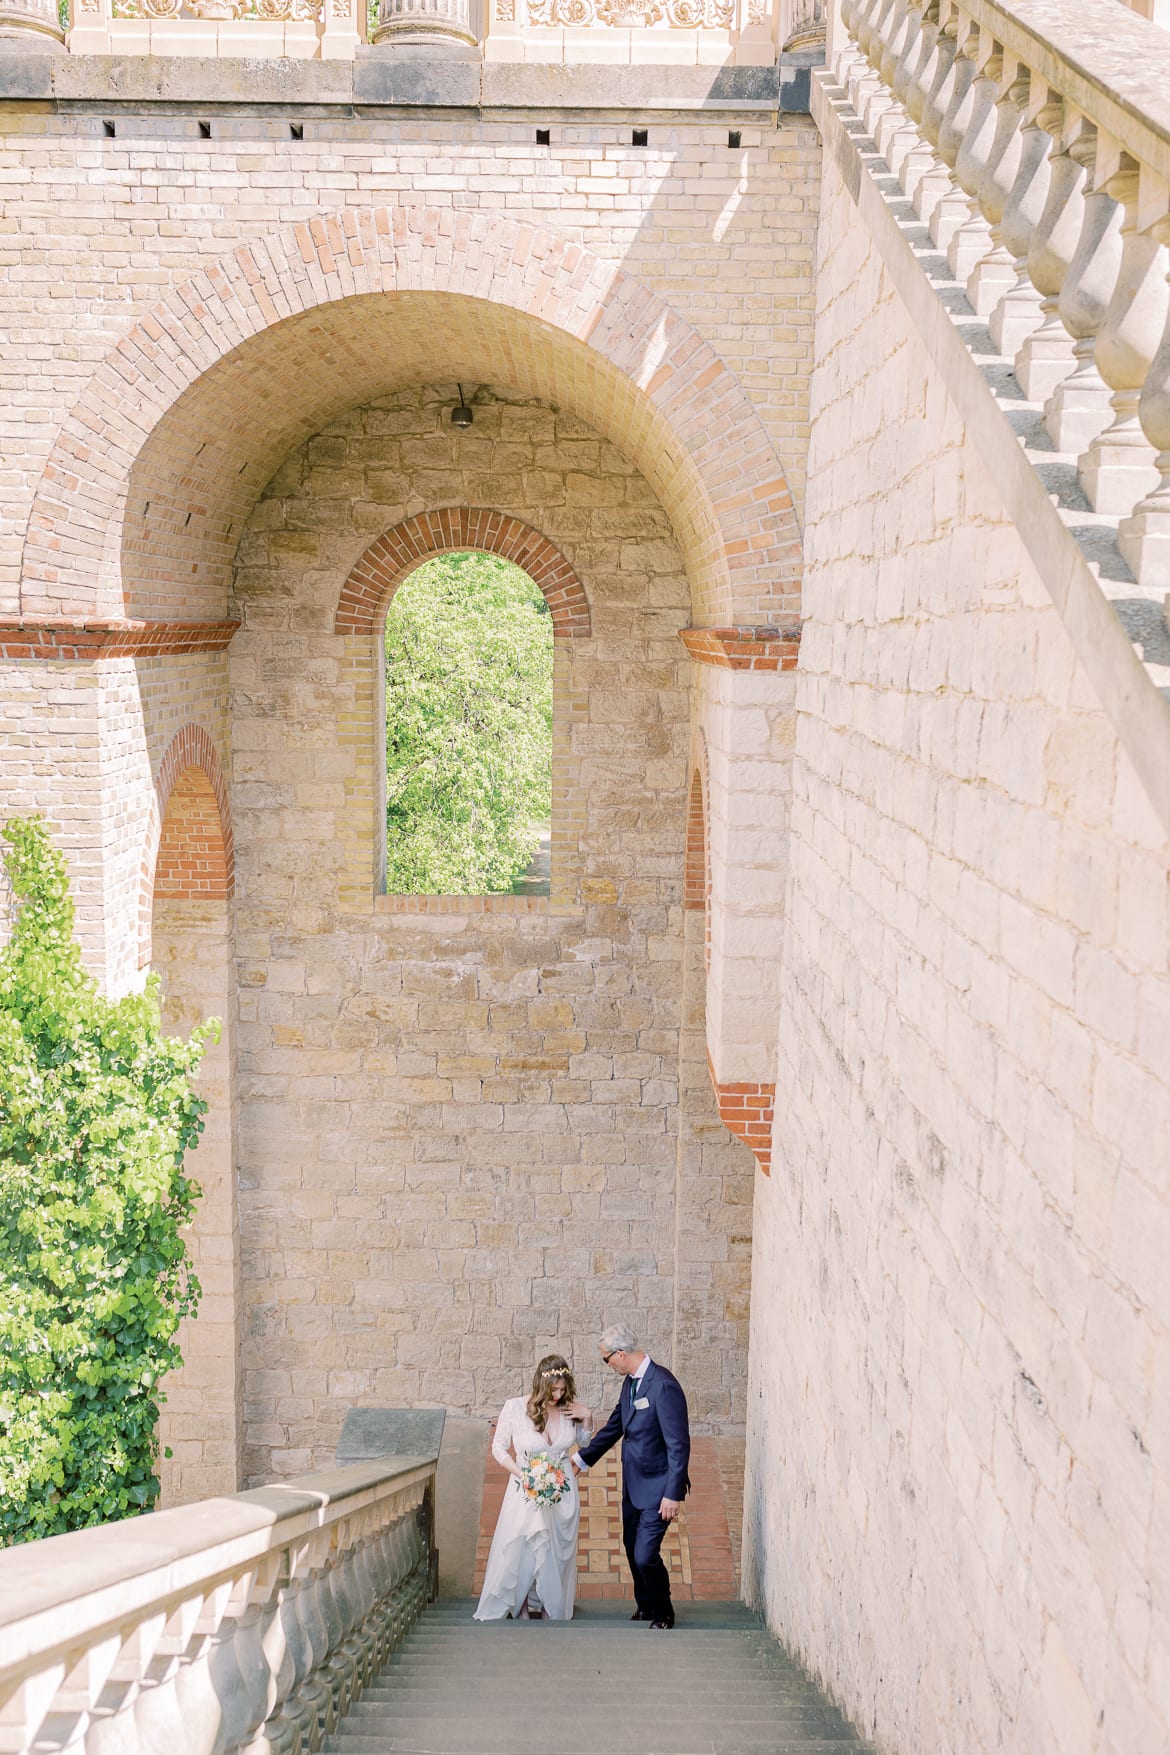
column 642, row 1533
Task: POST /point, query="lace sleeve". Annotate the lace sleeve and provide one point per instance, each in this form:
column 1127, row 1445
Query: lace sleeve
column 502, row 1441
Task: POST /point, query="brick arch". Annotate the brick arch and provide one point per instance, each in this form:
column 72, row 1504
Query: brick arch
column 697, row 868
column 189, row 850
column 154, row 472
column 385, row 564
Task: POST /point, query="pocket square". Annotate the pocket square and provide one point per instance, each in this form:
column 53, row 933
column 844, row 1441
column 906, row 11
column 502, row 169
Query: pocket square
column 643, row 1401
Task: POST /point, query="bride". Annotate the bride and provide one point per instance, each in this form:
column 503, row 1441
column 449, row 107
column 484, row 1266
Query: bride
column 534, row 1548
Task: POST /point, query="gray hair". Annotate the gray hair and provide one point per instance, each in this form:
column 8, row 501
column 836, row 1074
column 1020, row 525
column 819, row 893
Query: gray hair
column 619, row 1337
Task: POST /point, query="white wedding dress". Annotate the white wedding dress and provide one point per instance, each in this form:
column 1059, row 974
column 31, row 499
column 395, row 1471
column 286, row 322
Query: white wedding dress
column 534, row 1548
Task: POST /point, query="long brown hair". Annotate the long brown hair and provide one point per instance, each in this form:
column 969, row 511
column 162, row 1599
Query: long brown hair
column 551, row 1371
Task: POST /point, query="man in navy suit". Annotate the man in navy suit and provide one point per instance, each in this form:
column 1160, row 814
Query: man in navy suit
column 651, row 1421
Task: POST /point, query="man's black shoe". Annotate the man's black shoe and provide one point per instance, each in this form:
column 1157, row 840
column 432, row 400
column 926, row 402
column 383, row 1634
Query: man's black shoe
column 662, row 1625
column 639, row 1616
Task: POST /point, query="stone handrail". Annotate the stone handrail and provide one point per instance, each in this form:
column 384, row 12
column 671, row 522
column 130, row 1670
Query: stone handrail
column 1034, row 141
column 1010, row 159
column 245, row 1623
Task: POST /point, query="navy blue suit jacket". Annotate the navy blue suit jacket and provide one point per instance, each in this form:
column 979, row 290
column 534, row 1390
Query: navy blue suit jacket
column 656, row 1441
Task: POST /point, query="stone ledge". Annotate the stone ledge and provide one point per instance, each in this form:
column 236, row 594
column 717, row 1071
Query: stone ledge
column 452, row 907
column 376, row 81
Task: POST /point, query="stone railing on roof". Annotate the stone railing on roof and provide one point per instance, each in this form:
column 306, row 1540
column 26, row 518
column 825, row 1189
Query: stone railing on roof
column 1013, row 162
column 713, row 33
column 244, row 1623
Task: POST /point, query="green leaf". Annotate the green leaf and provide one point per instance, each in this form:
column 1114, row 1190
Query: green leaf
column 96, row 1115
column 469, row 651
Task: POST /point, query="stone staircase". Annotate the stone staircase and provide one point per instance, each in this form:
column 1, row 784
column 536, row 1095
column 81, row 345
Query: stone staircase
column 716, row 1685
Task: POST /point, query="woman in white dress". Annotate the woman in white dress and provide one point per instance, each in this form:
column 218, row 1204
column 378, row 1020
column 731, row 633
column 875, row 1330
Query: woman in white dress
column 534, row 1548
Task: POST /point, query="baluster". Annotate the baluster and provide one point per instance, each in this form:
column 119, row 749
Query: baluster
column 159, row 1717
column 198, row 1703
column 1119, row 468
column 316, row 1690
column 1019, row 309
column 278, row 1733
column 1078, row 408
column 950, row 212
column 340, row 1670
column 977, row 117
column 886, row 114
column 238, row 1668
column 70, row 1703
column 912, row 156
column 897, row 134
column 849, row 56
column 367, row 1627
column 113, row 1727
column 1144, row 537
column 994, row 273
column 1047, row 355
column 939, row 79
column 289, row 1725
column 865, row 83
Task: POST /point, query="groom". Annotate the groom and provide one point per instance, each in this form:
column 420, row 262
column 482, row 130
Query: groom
column 651, row 1420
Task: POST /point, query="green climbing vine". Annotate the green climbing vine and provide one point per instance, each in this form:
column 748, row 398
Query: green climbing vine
column 96, row 1114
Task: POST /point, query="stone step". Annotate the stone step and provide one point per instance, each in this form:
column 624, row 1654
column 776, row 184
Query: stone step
column 601, row 1696
column 518, row 1738
column 460, row 1687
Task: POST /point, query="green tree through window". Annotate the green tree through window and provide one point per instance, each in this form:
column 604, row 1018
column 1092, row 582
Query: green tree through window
column 469, row 648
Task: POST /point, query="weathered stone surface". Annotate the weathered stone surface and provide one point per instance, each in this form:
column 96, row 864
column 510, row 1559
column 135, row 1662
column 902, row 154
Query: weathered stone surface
column 372, row 1432
column 948, row 1280
column 463, row 1141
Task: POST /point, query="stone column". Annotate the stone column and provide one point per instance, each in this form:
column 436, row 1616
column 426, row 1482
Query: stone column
column 29, row 24
column 440, row 28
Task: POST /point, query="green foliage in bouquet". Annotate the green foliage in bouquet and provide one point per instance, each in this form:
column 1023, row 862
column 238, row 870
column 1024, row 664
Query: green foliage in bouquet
column 96, row 1113
column 468, row 727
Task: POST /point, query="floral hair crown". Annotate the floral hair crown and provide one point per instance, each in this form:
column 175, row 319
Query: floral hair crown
column 557, row 1371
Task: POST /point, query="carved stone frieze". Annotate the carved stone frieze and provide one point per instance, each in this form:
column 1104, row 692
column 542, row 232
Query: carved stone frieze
column 628, row 14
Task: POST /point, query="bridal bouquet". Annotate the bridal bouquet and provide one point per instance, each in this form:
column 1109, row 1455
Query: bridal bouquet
column 543, row 1481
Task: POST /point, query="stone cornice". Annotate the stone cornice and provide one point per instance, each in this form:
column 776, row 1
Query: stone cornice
column 379, row 81
column 743, row 648
column 78, row 638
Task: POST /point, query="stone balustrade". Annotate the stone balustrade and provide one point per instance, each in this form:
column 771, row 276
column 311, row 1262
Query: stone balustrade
column 1034, row 143
column 245, row 1623
column 712, row 33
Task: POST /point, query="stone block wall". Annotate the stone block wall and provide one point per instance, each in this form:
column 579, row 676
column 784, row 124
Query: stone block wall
column 959, row 1451
column 463, row 1139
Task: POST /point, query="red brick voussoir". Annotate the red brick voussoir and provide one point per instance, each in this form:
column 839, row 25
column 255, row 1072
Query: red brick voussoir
column 746, row 1109
column 366, row 594
column 136, row 513
column 744, row 648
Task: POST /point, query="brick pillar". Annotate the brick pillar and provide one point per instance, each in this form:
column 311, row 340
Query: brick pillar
column 714, row 1187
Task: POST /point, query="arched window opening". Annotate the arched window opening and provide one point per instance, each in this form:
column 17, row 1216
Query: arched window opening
column 469, row 722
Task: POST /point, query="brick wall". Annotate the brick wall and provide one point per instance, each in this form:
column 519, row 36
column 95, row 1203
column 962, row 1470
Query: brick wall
column 959, row 1455
column 724, row 238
